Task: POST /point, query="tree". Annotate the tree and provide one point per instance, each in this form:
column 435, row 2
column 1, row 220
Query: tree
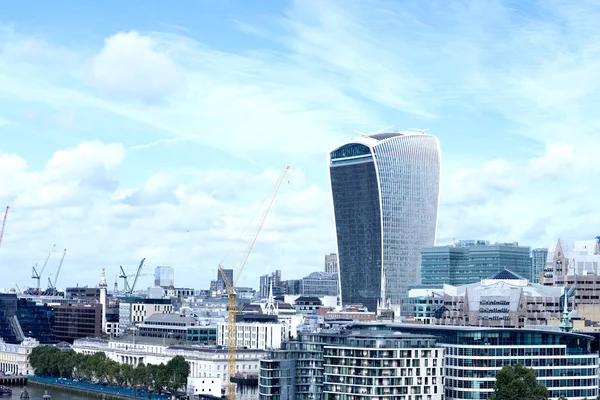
column 177, row 370
column 515, row 382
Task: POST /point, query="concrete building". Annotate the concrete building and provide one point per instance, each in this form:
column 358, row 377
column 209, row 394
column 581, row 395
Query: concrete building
column 133, row 310
column 357, row 364
column 538, row 263
column 256, row 332
column 164, row 276
column 82, row 293
column 469, row 261
column 14, row 358
column 75, row 321
column 204, row 362
column 385, row 189
column 503, row 300
column 576, row 264
column 171, row 326
column 270, row 280
column 331, row 264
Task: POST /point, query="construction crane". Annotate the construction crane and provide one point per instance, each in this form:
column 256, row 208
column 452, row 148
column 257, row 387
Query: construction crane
column 3, row 224
column 232, row 295
column 128, row 289
column 34, row 272
column 52, row 285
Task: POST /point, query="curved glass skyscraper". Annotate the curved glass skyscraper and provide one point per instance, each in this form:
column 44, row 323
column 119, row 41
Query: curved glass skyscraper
column 385, row 190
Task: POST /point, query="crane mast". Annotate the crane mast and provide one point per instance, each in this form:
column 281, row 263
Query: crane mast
column 3, row 225
column 52, row 285
column 34, row 272
column 232, row 295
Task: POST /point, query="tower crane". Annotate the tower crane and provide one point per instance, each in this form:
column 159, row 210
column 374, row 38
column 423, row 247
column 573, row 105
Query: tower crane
column 128, row 289
column 34, row 272
column 3, row 224
column 232, row 295
column 52, row 285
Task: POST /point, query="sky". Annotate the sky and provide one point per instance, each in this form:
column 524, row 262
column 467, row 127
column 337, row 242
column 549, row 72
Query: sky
column 147, row 129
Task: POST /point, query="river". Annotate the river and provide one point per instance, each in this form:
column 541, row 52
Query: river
column 36, row 393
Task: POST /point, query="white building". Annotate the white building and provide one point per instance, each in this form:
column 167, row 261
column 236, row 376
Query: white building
column 254, row 335
column 136, row 309
column 14, row 358
column 206, row 364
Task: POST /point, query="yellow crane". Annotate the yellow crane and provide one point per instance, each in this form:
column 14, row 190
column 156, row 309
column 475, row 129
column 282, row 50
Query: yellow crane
column 232, row 295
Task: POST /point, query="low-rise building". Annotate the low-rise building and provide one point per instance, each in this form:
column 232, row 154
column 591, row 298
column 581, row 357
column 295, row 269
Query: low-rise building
column 14, row 358
column 209, row 363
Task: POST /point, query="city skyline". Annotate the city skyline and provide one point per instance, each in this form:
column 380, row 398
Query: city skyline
column 385, row 190
column 157, row 134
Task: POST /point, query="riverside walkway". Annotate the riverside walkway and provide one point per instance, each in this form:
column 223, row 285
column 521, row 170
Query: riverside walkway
column 99, row 389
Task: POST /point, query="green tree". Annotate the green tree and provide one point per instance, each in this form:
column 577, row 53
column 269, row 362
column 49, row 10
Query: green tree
column 177, row 370
column 515, row 382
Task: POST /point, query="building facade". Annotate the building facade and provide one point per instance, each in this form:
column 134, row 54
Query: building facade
column 538, row 263
column 331, row 263
column 254, row 335
column 75, row 321
column 14, row 358
column 133, row 310
column 562, row 361
column 385, row 189
column 21, row 318
column 470, row 261
column 503, row 300
column 164, row 276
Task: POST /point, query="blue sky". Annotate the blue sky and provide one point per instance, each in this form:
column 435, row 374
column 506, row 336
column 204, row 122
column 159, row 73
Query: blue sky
column 146, row 129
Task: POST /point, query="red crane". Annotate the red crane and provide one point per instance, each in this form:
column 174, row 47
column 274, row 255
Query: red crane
column 3, row 225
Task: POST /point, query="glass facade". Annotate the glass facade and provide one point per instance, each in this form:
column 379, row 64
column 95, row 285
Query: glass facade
column 164, row 276
column 385, row 191
column 538, row 262
column 469, row 263
column 21, row 318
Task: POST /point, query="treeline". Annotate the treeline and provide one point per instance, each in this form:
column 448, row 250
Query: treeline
column 52, row 362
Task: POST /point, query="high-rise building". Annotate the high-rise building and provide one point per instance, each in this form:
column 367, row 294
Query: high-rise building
column 164, row 276
column 538, row 262
column 228, row 274
column 385, row 189
column 331, row 263
column 469, row 261
column 274, row 280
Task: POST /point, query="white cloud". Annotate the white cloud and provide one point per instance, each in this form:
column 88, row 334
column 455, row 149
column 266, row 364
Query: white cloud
column 77, row 202
column 133, row 66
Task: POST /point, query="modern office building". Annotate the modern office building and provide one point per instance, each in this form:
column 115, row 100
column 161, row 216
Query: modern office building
column 164, row 276
column 82, row 293
column 316, row 284
column 538, row 262
column 21, row 318
column 228, row 274
column 331, row 264
column 75, row 321
column 469, row 261
column 133, row 310
column 562, row 361
column 503, row 300
column 256, row 332
column 268, row 281
column 385, row 189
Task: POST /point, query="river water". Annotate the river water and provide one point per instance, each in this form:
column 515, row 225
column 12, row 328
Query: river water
column 36, row 393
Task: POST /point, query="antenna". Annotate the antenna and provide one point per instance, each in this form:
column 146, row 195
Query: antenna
column 420, row 130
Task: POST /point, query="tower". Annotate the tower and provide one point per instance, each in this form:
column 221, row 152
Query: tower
column 385, row 189
column 103, row 287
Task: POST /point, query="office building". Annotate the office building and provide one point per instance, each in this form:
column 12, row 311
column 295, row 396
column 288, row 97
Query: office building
column 538, row 262
column 256, row 332
column 228, row 274
column 316, row 284
column 385, row 189
column 331, row 264
column 470, row 261
column 164, row 276
column 75, row 321
column 274, row 280
column 21, row 318
column 82, row 293
column 562, row 361
column 503, row 300
column 133, row 310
